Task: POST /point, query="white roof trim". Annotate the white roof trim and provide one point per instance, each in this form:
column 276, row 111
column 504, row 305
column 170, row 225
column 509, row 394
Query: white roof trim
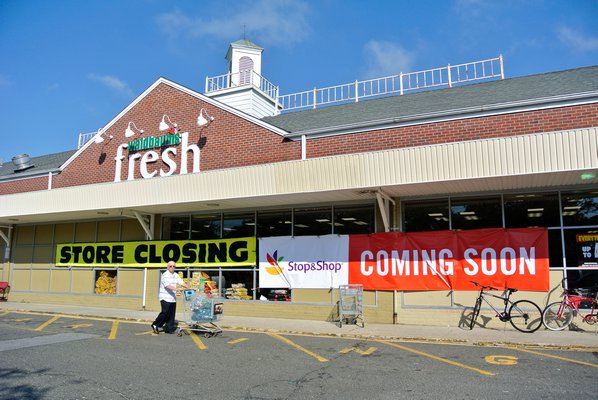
column 183, row 89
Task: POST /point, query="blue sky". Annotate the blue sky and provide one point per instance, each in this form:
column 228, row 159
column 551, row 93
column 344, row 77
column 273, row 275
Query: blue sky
column 69, row 67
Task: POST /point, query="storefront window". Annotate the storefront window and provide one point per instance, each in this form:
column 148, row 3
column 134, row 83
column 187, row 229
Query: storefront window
column 205, row 227
column 175, row 228
column 354, row 220
column 580, row 208
column 531, row 210
column 312, row 221
column 239, row 284
column 425, row 216
column 555, row 248
column 238, row 225
column 274, row 223
column 476, row 213
column 105, row 282
column 581, row 248
column 582, row 278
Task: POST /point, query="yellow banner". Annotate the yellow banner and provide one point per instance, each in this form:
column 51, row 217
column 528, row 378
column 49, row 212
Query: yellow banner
column 200, row 253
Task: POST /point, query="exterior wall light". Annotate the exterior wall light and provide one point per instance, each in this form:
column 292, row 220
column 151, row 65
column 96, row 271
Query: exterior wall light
column 201, row 120
column 130, row 132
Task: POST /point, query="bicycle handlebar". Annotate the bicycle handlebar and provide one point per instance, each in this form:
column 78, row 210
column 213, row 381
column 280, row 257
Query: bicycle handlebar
column 483, row 287
column 512, row 290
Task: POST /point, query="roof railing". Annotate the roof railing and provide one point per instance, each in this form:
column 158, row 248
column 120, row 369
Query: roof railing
column 438, row 77
column 240, row 79
column 84, row 138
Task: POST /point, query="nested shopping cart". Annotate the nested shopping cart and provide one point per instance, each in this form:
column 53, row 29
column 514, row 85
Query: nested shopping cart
column 350, row 305
column 200, row 311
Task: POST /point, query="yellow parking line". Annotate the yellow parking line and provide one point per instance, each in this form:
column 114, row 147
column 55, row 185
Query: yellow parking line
column 113, row 331
column 295, row 345
column 237, row 341
column 48, row 322
column 557, row 357
column 421, row 353
column 197, row 340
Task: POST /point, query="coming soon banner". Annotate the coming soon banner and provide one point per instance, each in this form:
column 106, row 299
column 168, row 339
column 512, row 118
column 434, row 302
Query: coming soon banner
column 445, row 260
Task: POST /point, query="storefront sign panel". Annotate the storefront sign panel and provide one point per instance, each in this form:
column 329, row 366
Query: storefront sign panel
column 450, row 260
column 203, row 253
column 304, row 261
column 587, row 249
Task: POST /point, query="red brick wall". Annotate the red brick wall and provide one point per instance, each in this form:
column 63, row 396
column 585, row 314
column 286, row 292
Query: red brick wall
column 523, row 123
column 24, row 185
column 230, row 141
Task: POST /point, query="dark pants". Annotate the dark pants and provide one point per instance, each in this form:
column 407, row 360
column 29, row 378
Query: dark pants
column 166, row 317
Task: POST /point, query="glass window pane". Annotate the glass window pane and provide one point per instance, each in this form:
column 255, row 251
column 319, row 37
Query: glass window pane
column 431, row 215
column 175, row 228
column 476, row 213
column 354, row 219
column 532, row 210
column 238, row 225
column 581, row 247
column 582, row 278
column 204, row 227
column 555, row 248
column 580, row 208
column 274, row 223
column 238, row 285
column 312, row 221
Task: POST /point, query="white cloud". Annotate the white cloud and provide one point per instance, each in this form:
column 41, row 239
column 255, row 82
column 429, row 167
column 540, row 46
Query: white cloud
column 576, row 40
column 113, row 83
column 386, row 58
column 269, row 22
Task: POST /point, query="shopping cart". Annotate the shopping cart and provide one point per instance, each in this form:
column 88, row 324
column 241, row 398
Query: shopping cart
column 200, row 310
column 350, row 305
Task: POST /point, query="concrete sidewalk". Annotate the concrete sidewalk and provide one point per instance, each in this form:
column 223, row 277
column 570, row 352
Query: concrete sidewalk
column 586, row 338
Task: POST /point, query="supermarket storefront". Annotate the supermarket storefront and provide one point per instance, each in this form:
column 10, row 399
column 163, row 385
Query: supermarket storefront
column 274, row 213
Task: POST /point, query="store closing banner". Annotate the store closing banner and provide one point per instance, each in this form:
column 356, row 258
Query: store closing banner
column 201, row 253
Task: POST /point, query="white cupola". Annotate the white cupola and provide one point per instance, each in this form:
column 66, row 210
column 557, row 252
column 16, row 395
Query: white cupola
column 244, row 87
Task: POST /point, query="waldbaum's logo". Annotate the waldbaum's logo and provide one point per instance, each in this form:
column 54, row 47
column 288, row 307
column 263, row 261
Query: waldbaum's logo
column 273, row 260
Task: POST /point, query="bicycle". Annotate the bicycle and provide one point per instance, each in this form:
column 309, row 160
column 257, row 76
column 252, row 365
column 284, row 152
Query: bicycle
column 559, row 315
column 524, row 315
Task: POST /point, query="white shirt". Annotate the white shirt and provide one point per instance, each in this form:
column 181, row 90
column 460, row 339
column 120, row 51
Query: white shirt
column 169, row 279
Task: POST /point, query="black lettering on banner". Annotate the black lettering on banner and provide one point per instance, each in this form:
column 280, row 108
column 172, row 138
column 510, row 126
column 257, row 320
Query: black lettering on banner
column 201, row 253
column 153, row 257
column 65, row 254
column 76, row 251
column 235, row 251
column 118, row 254
column 89, row 253
column 171, row 252
column 217, row 250
column 141, row 254
column 188, row 253
column 102, row 253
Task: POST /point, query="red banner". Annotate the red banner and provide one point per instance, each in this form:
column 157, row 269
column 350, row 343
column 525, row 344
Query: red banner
column 450, row 260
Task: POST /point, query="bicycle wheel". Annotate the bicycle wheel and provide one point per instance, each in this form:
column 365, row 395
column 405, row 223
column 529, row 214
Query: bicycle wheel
column 557, row 316
column 525, row 316
column 475, row 312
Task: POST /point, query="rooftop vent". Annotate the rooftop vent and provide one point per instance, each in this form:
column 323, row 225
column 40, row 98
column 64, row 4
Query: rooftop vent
column 22, row 162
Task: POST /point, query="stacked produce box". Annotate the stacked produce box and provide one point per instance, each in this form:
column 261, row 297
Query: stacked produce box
column 237, row 291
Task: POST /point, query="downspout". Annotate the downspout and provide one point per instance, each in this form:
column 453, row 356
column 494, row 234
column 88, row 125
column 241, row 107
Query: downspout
column 303, row 147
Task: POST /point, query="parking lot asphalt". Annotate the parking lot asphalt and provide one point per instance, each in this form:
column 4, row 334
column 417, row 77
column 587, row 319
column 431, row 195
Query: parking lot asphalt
column 585, row 337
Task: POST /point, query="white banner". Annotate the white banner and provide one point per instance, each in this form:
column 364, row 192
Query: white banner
column 314, row 262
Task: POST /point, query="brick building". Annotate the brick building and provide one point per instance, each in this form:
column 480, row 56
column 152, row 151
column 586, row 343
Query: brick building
column 234, row 162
